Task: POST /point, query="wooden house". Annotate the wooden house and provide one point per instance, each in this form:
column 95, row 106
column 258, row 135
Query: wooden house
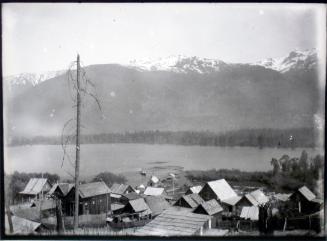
column 254, row 198
column 36, row 188
column 189, row 201
column 117, row 190
column 136, row 213
column 94, row 198
column 304, row 201
column 222, row 192
column 213, row 209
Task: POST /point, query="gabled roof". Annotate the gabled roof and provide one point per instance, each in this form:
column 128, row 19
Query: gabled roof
column 157, row 204
column 232, row 201
column 251, row 199
column 193, row 200
column 173, row 222
column 131, row 196
column 222, row 189
column 307, row 193
column 34, row 186
column 195, row 189
column 251, row 213
column 211, row 207
column 139, row 205
column 257, row 197
column 154, row 191
column 117, row 206
column 120, row 188
column 93, row 189
column 63, row 187
column 21, row 225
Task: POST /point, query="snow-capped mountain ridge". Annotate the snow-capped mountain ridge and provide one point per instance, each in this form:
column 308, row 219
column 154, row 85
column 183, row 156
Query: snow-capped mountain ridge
column 179, row 64
column 294, row 60
column 32, row 78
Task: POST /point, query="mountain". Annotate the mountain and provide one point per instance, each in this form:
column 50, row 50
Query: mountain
column 177, row 93
column 295, row 60
column 179, row 64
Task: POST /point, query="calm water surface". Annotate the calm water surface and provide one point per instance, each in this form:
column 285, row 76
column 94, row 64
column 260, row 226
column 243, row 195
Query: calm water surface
column 118, row 158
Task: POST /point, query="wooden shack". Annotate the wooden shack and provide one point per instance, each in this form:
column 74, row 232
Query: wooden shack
column 36, row 188
column 213, row 209
column 94, row 198
column 222, row 192
column 254, row 198
column 304, row 201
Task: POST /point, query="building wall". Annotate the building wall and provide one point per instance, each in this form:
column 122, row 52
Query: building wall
column 93, row 205
column 244, row 202
column 207, row 193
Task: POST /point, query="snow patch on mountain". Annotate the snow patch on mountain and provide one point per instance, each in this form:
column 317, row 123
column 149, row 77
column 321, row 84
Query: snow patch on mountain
column 178, row 64
column 32, row 78
column 294, row 60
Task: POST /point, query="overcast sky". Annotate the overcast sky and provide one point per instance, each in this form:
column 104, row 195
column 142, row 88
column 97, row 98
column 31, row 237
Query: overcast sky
column 42, row 37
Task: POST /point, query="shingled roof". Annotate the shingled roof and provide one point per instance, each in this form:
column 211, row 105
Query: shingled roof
column 157, row 204
column 307, row 193
column 222, row 189
column 34, row 186
column 21, row 225
column 93, row 189
column 154, row 191
column 193, row 200
column 63, row 187
column 172, row 222
column 120, row 188
column 210, row 207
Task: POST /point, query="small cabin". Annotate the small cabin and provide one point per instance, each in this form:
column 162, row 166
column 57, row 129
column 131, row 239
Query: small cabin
column 213, row 209
column 221, row 191
column 304, row 201
column 36, row 188
column 94, row 198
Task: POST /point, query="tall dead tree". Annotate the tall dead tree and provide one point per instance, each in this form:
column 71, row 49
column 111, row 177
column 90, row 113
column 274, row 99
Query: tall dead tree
column 78, row 85
column 78, row 118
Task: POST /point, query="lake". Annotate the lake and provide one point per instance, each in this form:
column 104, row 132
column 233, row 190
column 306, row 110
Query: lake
column 118, row 158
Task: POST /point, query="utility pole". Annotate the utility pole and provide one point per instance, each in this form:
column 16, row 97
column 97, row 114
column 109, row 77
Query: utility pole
column 78, row 103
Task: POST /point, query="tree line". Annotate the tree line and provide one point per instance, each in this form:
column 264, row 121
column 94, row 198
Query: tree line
column 287, row 174
column 288, row 138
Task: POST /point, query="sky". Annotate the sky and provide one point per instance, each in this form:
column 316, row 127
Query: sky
column 42, row 37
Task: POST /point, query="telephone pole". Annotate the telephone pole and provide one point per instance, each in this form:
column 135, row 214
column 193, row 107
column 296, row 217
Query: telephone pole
column 78, row 113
